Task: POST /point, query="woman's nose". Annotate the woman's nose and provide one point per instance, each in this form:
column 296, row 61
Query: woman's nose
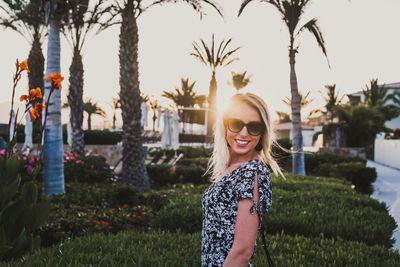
column 244, row 132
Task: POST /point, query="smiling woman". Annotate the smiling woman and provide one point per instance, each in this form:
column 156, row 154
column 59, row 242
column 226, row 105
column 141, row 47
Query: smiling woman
column 241, row 192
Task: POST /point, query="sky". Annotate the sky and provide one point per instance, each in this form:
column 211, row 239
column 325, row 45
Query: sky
column 361, row 36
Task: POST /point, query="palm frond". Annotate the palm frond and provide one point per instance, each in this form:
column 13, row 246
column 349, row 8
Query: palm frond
column 312, row 27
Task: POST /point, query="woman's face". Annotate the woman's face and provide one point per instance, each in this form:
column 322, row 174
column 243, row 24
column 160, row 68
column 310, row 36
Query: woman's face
column 241, row 142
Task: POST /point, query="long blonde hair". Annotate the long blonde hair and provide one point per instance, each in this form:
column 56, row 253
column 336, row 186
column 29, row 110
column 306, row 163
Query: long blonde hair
column 220, row 156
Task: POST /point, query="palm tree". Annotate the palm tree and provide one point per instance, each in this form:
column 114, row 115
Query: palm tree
column 23, row 17
column 332, row 102
column 116, row 105
column 304, row 100
column 375, row 94
column 185, row 96
column 80, row 22
column 291, row 12
column 92, row 108
column 240, row 81
column 126, row 13
column 154, row 106
column 53, row 166
column 214, row 58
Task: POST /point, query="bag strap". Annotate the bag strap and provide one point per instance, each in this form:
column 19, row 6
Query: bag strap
column 270, row 262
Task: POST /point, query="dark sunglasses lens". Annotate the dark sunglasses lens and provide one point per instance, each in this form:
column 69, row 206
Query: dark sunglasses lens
column 235, row 125
column 255, row 128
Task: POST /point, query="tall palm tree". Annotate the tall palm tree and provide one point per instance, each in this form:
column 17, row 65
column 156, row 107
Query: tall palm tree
column 240, row 80
column 291, row 12
column 126, row 13
column 53, row 162
column 375, row 94
column 214, row 58
column 78, row 24
column 92, row 108
column 115, row 105
column 304, row 100
column 185, row 96
column 23, row 17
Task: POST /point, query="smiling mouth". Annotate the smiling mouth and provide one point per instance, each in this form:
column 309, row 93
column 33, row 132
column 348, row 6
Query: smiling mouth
column 241, row 142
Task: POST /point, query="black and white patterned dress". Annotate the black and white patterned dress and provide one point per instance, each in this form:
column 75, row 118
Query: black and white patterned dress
column 220, row 205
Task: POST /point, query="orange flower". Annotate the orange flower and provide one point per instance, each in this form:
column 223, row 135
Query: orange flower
column 55, row 80
column 35, row 112
column 24, row 97
column 33, row 94
column 24, row 66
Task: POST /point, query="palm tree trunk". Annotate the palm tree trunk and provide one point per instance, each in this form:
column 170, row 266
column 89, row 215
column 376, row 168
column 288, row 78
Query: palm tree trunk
column 53, row 166
column 298, row 165
column 212, row 99
column 36, row 64
column 133, row 168
column 76, row 103
column 89, row 121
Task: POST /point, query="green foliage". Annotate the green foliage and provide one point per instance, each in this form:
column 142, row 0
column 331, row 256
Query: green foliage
column 314, row 160
column 86, row 169
column 72, row 221
column 184, row 215
column 178, row 249
column 102, row 137
column 21, row 211
column 302, row 205
column 355, row 172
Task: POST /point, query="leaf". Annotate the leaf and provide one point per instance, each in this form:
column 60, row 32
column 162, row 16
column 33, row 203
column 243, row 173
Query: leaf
column 29, row 193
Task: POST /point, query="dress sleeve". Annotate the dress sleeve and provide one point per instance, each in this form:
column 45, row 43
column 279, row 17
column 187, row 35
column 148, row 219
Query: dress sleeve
column 245, row 185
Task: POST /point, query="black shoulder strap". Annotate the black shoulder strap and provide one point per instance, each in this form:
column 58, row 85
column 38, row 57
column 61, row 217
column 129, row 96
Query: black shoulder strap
column 270, row 262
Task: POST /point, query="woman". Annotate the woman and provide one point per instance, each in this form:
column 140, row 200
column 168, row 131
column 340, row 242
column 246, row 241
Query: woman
column 241, row 182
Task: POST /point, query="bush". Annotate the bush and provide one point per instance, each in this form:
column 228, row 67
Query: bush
column 184, row 215
column 304, row 206
column 313, row 160
column 102, row 137
column 107, row 194
column 177, row 249
column 161, row 175
column 355, row 172
column 91, row 169
column 67, row 223
column 359, row 175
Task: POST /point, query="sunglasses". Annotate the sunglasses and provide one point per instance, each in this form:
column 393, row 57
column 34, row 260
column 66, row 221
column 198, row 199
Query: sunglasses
column 253, row 128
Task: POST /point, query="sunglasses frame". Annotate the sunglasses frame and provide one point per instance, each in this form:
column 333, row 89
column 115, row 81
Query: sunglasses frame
column 226, row 122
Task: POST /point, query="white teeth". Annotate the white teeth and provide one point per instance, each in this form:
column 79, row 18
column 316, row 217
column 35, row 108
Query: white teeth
column 242, row 142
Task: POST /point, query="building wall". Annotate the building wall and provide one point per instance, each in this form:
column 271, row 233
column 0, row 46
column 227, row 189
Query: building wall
column 387, row 152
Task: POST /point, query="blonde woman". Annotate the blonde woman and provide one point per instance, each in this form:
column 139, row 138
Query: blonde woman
column 241, row 185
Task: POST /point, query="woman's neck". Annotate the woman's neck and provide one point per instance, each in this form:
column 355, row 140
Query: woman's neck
column 235, row 160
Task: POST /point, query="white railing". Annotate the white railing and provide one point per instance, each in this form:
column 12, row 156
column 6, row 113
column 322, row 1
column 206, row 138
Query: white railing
column 388, row 152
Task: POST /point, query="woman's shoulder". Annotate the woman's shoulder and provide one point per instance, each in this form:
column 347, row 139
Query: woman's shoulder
column 257, row 165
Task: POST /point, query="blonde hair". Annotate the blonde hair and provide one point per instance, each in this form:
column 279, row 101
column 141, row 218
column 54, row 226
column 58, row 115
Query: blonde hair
column 220, row 155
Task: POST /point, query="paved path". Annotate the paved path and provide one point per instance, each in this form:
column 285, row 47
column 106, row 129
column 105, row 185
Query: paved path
column 387, row 189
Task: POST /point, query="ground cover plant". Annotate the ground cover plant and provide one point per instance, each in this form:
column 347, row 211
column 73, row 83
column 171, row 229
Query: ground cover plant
column 160, row 248
column 311, row 222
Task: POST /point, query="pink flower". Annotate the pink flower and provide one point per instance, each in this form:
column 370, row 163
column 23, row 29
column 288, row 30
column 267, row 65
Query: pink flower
column 29, row 169
column 2, row 152
column 32, row 160
column 106, row 168
column 78, row 161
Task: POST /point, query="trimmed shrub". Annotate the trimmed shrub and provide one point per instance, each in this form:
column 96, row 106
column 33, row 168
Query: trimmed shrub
column 304, row 206
column 102, row 137
column 313, row 160
column 355, row 172
column 86, row 169
column 178, row 249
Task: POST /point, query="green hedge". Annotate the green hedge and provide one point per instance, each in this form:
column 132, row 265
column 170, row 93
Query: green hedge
column 355, row 172
column 313, row 160
column 178, row 249
column 303, row 205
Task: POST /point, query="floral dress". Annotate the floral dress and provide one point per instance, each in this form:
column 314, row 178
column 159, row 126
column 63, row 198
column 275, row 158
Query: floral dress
column 220, row 205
